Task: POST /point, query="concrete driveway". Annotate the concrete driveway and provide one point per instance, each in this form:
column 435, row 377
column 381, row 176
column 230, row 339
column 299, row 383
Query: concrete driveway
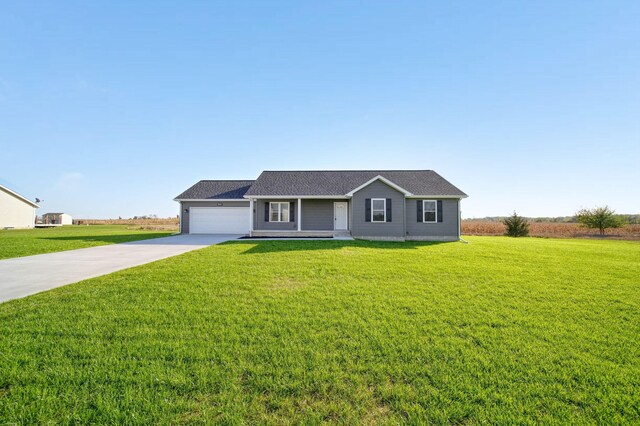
column 23, row 276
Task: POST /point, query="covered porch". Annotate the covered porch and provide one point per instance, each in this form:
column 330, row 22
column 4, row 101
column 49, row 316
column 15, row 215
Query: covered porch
column 300, row 217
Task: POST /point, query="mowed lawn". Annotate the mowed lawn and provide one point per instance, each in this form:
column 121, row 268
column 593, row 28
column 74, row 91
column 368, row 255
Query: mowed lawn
column 26, row 242
column 497, row 331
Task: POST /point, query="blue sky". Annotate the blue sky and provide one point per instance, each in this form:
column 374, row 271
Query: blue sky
column 113, row 108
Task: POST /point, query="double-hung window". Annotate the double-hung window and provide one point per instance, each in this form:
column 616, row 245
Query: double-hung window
column 378, row 210
column 429, row 211
column 278, row 212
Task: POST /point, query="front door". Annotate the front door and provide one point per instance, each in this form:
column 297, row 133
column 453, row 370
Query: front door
column 340, row 218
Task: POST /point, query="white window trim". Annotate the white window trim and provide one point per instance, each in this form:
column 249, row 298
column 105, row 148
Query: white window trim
column 279, row 211
column 384, row 210
column 424, row 211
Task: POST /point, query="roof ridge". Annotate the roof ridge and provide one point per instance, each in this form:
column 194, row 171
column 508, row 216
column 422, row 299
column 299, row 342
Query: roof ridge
column 355, row 170
column 227, row 180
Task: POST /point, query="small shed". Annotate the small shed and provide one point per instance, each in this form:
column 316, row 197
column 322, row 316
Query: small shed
column 57, row 219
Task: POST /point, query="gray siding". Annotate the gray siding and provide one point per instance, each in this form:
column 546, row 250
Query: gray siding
column 184, row 216
column 360, row 228
column 259, row 223
column 317, row 215
column 445, row 230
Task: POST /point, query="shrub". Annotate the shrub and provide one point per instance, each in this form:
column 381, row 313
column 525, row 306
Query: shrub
column 517, row 226
column 599, row 218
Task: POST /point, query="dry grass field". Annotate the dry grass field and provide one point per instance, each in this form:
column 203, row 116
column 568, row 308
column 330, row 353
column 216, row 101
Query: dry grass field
column 159, row 224
column 550, row 230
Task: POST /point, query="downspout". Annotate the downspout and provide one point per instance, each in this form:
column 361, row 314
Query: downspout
column 404, row 219
column 459, row 224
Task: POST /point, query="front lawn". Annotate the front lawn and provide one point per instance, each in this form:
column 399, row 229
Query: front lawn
column 497, row 331
column 26, row 242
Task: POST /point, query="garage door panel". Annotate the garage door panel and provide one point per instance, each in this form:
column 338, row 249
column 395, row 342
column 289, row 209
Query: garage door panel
column 219, row 220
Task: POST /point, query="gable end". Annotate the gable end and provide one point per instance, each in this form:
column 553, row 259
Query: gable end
column 383, row 180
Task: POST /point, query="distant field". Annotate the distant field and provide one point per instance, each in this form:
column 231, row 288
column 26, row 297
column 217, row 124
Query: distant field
column 518, row 331
column 161, row 224
column 26, row 242
column 551, row 230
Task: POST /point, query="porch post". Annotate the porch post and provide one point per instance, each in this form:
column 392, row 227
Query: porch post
column 299, row 214
column 251, row 217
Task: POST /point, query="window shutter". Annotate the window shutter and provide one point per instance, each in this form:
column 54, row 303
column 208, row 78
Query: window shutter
column 266, row 212
column 420, row 215
column 439, row 202
column 367, row 210
column 292, row 209
column 388, row 209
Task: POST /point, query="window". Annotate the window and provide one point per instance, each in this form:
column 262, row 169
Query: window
column 378, row 210
column 429, row 211
column 278, row 212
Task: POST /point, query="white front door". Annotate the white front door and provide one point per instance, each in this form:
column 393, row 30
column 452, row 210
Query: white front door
column 340, row 218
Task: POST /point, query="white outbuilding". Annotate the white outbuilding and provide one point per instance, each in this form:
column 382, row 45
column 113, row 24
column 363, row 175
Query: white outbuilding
column 57, row 219
column 16, row 211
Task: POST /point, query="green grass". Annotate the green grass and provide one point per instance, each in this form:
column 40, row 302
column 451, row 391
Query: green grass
column 501, row 331
column 26, row 242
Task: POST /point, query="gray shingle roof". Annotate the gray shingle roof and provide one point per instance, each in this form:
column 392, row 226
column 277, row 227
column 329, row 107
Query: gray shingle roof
column 217, row 189
column 340, row 182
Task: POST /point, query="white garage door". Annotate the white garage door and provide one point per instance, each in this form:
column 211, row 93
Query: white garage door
column 219, row 220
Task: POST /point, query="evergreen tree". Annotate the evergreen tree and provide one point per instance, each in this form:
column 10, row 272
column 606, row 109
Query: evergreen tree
column 517, row 226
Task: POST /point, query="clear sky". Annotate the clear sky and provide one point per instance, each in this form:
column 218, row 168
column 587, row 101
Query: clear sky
column 113, row 108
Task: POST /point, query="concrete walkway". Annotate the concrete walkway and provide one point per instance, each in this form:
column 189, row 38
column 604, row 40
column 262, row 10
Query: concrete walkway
column 22, row 276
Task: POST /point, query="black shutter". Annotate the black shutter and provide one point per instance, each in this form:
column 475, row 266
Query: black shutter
column 367, row 210
column 420, row 215
column 388, row 209
column 266, row 212
column 292, row 210
column 439, row 202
